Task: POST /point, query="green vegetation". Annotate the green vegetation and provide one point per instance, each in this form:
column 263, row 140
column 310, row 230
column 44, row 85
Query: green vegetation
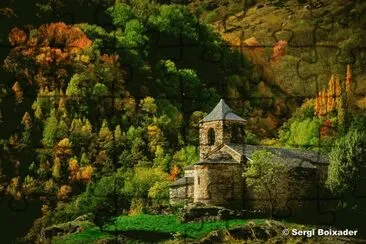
column 170, row 224
column 155, row 223
column 88, row 236
column 262, row 177
column 100, row 119
column 348, row 159
column 302, row 129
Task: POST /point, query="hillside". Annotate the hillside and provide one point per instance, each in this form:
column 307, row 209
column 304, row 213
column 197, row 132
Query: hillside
column 101, row 101
column 295, row 44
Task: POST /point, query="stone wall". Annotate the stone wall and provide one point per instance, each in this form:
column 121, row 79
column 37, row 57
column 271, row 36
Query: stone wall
column 223, row 134
column 299, row 189
column 219, row 184
column 218, row 127
column 181, row 194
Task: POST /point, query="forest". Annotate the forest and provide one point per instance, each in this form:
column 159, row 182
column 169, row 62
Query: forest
column 100, row 104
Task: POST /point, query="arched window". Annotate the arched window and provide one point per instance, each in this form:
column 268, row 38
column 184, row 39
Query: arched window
column 211, row 136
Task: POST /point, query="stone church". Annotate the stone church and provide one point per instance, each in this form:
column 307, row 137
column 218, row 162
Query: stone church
column 217, row 179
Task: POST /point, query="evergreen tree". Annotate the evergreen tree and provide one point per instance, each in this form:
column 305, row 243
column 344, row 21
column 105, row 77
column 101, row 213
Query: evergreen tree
column 50, row 130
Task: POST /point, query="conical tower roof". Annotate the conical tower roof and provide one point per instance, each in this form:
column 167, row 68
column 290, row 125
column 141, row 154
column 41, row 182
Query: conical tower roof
column 222, row 112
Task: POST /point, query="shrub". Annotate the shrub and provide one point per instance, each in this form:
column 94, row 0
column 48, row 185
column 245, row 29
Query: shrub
column 347, row 162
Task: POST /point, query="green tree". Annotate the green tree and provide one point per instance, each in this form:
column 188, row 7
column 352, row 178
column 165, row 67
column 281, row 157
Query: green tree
column 53, row 130
column 303, row 133
column 176, row 20
column 147, row 184
column 347, row 162
column 186, row 156
column 267, row 176
column 105, row 137
column 121, row 13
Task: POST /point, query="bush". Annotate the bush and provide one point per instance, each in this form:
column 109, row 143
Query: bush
column 347, row 162
column 304, row 133
column 302, row 129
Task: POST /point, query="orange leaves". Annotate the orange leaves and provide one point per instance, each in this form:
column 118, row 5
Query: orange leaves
column 14, row 188
column 47, row 55
column 110, row 59
column 327, row 129
column 56, row 41
column 18, row 91
column 349, row 84
column 64, row 192
column 174, row 172
column 62, row 35
column 27, row 120
column 63, row 149
column 330, row 99
column 83, row 174
column 17, row 37
column 73, row 169
column 279, row 50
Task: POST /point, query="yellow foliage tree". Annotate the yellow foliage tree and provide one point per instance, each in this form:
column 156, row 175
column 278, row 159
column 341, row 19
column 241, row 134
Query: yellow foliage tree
column 332, row 98
column 63, row 148
column 85, row 174
column 18, row 91
column 56, row 169
column 348, row 85
column 64, row 192
column 73, row 169
column 13, row 188
column 331, row 95
column 27, row 120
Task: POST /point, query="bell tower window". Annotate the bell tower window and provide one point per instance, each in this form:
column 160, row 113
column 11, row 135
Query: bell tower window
column 235, row 134
column 211, row 136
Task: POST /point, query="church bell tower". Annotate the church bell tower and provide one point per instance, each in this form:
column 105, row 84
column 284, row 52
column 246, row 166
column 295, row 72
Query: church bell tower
column 221, row 126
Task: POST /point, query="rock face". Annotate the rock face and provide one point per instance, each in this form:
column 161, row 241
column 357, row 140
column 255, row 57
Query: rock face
column 202, row 212
column 80, row 224
column 248, row 232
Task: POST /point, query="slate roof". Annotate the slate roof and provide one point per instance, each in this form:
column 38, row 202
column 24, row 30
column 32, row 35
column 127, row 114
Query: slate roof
column 218, row 157
column 222, row 112
column 182, row 182
column 189, row 167
column 294, row 154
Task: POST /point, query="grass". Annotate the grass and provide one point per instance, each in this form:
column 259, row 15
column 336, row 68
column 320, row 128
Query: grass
column 169, row 224
column 88, row 236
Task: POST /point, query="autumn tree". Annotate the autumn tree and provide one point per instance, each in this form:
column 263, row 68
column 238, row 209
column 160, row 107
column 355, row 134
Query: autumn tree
column 174, row 173
column 105, row 137
column 27, row 129
column 64, row 192
column 333, row 98
column 279, row 50
column 18, row 91
column 349, row 85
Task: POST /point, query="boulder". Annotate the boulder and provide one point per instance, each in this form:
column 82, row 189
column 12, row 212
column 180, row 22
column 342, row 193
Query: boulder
column 77, row 225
